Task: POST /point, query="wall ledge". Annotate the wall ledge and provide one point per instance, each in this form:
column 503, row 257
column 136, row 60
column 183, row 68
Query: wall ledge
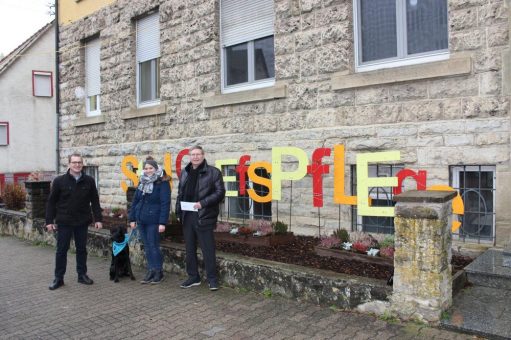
column 83, row 121
column 136, row 112
column 249, row 96
column 455, row 66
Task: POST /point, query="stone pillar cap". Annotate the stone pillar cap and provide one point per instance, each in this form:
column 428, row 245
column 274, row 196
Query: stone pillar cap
column 425, row 196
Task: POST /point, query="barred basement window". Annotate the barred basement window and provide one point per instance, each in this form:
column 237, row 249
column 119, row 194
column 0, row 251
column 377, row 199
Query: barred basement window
column 476, row 185
column 242, row 206
column 93, row 171
column 381, row 197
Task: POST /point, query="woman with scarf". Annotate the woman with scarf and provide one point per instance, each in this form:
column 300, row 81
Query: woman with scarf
column 150, row 213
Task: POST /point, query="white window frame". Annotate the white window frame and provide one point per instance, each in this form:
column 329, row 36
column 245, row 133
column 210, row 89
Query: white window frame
column 456, row 171
column 47, row 74
column 88, row 111
column 6, row 125
column 251, row 84
column 401, row 59
column 156, row 101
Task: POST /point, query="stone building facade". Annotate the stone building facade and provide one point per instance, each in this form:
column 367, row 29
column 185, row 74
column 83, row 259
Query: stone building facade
column 448, row 115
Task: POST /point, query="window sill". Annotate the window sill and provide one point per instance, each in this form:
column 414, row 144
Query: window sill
column 136, row 112
column 249, row 96
column 456, row 66
column 83, row 121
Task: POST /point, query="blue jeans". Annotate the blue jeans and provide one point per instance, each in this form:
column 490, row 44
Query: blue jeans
column 151, row 238
column 64, row 235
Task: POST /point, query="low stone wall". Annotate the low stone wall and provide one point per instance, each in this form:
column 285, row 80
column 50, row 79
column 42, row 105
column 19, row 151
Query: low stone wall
column 317, row 286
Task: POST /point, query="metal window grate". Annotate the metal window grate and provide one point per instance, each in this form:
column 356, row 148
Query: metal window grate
column 476, row 185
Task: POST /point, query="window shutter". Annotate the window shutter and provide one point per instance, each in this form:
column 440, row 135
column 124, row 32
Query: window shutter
column 92, row 68
column 245, row 20
column 148, row 38
column 42, row 85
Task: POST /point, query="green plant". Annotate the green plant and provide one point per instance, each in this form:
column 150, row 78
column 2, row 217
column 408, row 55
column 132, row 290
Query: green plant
column 280, row 227
column 445, row 315
column 388, row 317
column 14, row 196
column 267, row 293
column 388, row 241
column 342, row 235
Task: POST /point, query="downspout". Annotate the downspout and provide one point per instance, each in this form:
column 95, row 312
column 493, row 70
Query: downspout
column 57, row 86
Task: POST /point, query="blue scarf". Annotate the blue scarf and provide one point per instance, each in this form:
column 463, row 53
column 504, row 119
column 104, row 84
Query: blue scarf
column 117, row 247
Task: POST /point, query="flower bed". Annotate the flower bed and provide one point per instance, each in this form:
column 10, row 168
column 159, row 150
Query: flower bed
column 256, row 233
column 350, row 255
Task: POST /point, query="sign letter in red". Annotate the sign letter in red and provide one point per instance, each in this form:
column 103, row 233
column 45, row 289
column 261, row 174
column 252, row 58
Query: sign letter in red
column 242, row 169
column 316, row 169
column 419, row 178
column 179, row 158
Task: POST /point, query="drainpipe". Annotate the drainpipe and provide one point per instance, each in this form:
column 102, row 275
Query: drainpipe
column 57, row 85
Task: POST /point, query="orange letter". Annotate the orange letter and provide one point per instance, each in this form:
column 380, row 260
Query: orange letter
column 259, row 180
column 339, row 178
column 127, row 172
column 458, row 206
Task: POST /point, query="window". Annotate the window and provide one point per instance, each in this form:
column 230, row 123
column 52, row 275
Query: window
column 148, row 60
column 92, row 171
column 476, row 185
column 4, row 133
column 390, row 33
column 381, row 197
column 248, row 57
column 92, row 77
column 42, row 84
column 242, row 206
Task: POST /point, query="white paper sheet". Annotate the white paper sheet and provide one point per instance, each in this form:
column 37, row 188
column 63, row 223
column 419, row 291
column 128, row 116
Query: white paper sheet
column 188, row 206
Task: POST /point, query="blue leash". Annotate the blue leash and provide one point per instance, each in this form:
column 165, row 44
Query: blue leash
column 117, row 247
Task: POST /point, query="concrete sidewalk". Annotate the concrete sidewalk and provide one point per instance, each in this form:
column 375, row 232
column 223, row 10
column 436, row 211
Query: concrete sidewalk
column 107, row 310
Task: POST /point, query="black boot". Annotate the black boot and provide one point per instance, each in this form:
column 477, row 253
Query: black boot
column 56, row 284
column 148, row 277
column 158, row 277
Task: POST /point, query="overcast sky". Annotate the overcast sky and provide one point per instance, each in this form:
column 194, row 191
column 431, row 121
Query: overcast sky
column 19, row 19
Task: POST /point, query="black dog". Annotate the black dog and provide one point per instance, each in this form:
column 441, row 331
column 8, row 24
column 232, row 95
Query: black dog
column 121, row 264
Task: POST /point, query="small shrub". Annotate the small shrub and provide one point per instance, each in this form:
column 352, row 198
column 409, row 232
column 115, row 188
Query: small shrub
column 14, row 196
column 330, row 242
column 388, row 241
column 387, row 252
column 280, row 227
column 342, row 234
column 223, row 227
column 362, row 246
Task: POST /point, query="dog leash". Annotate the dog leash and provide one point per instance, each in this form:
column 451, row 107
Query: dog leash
column 117, row 247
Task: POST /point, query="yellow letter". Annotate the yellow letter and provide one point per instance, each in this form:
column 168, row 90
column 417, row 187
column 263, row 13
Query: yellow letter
column 167, row 165
column 364, row 182
column 127, row 172
column 278, row 175
column 219, row 163
column 259, row 180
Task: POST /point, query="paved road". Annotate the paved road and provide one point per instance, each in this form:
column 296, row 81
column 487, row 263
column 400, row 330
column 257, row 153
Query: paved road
column 105, row 310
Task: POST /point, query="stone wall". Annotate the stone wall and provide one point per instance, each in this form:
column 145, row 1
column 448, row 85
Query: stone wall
column 435, row 121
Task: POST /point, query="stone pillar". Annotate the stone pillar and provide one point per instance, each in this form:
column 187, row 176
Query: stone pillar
column 37, row 196
column 422, row 261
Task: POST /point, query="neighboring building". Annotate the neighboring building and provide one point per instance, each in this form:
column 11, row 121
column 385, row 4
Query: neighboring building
column 28, row 123
column 430, row 79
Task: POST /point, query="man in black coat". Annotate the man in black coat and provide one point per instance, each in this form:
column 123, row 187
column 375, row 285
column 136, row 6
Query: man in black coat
column 202, row 187
column 72, row 201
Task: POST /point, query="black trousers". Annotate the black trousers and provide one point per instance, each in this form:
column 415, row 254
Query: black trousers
column 64, row 234
column 204, row 236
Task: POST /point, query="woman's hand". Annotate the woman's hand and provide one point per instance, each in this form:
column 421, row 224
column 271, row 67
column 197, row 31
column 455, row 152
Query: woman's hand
column 161, row 228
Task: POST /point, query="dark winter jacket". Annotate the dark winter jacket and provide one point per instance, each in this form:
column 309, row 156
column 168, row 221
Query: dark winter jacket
column 210, row 192
column 153, row 208
column 73, row 202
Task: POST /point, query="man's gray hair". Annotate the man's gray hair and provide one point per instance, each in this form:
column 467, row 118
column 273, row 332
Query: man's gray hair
column 197, row 147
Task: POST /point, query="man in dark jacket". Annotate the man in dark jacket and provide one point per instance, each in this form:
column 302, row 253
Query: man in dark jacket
column 201, row 188
column 73, row 197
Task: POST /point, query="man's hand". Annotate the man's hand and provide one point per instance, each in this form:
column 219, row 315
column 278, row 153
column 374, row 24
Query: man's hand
column 133, row 225
column 98, row 225
column 51, row 227
column 161, row 228
column 197, row 205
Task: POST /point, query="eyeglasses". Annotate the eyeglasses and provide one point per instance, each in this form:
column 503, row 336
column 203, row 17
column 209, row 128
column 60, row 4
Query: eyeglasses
column 76, row 162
